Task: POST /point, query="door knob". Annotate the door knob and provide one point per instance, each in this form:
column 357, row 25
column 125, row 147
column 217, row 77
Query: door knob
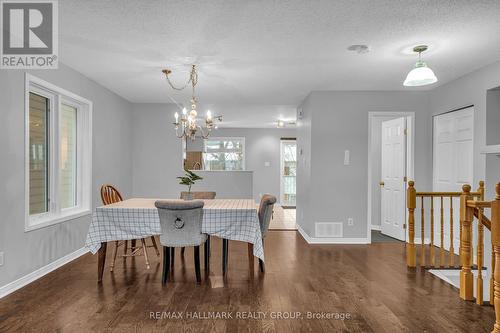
column 382, row 184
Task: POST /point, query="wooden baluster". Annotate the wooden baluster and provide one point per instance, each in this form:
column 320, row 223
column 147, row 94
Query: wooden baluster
column 441, row 251
column 411, row 256
column 452, row 248
column 495, row 241
column 492, row 279
column 480, row 250
column 466, row 215
column 422, row 233
column 432, row 254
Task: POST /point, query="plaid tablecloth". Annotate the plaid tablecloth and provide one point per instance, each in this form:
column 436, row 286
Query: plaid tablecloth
column 138, row 218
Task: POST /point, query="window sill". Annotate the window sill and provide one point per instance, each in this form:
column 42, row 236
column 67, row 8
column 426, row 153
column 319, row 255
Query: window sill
column 54, row 219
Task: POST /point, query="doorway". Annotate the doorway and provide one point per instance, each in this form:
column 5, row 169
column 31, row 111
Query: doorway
column 284, row 216
column 288, row 173
column 390, row 165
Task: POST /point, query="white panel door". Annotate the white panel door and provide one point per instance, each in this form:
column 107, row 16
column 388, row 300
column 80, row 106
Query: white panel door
column 453, row 142
column 393, row 176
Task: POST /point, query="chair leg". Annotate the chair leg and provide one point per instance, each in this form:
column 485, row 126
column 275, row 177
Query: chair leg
column 250, row 257
column 182, row 251
column 126, row 247
column 145, row 249
column 225, row 250
column 197, row 264
column 132, row 245
column 115, row 251
column 207, row 254
column 166, row 264
column 155, row 246
column 172, row 256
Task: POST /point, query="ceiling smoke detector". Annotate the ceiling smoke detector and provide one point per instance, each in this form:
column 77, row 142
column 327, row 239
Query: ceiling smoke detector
column 359, row 48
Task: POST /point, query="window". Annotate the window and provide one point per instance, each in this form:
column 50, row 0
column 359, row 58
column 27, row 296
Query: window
column 58, row 154
column 224, row 154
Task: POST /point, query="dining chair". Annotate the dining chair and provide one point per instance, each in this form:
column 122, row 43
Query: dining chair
column 198, row 195
column 265, row 213
column 110, row 195
column 180, row 227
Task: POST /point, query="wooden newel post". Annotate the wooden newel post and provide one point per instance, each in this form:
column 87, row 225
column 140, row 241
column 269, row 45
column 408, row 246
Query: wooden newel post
column 466, row 217
column 411, row 256
column 495, row 242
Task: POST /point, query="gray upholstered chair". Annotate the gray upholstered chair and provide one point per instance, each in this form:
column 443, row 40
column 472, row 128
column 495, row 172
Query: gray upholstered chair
column 180, row 227
column 265, row 213
column 198, row 195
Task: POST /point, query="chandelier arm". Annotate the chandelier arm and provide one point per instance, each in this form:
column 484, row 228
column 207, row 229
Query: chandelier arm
column 203, row 134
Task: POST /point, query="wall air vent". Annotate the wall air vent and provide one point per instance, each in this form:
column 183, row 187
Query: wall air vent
column 329, row 229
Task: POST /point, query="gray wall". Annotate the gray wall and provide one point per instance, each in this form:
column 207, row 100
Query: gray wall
column 157, row 155
column 227, row 184
column 27, row 251
column 157, row 152
column 471, row 90
column 261, row 145
column 338, row 121
column 493, row 117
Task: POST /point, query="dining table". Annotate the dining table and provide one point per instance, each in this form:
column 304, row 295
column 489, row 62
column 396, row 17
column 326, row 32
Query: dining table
column 137, row 218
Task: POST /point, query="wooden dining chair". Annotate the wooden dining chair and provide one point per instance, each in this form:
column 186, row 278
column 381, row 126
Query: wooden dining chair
column 180, row 227
column 198, row 195
column 110, row 195
column 265, row 213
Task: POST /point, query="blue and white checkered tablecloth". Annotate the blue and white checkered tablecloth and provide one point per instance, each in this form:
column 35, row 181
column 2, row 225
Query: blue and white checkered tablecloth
column 233, row 219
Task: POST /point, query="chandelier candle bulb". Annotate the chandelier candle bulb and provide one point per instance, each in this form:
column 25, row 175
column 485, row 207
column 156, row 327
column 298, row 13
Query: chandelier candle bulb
column 176, row 115
column 209, row 115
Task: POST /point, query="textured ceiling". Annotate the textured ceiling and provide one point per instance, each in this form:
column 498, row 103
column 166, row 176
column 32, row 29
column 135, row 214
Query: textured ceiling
column 268, row 55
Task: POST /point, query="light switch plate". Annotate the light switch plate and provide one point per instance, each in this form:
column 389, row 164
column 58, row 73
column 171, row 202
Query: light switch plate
column 347, row 157
column 267, row 164
column 350, row 221
column 1, row 258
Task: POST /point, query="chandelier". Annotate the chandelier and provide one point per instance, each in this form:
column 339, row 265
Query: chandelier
column 187, row 126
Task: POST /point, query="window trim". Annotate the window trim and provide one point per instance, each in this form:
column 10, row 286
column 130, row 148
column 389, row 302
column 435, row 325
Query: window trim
column 221, row 138
column 57, row 96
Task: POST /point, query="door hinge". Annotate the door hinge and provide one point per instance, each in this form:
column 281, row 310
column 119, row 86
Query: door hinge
column 405, row 179
column 404, row 226
column 405, row 131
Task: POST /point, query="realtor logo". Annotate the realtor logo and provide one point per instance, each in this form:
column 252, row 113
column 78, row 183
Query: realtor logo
column 29, row 34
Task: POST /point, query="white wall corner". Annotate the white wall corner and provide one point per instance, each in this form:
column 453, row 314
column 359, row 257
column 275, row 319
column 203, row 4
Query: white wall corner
column 35, row 275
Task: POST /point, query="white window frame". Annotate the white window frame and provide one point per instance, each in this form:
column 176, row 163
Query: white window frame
column 58, row 96
column 222, row 138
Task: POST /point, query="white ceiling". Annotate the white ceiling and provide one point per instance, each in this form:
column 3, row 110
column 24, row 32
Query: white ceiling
column 259, row 59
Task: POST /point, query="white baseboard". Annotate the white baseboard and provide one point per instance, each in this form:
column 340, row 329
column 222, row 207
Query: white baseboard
column 419, row 241
column 35, row 275
column 330, row 240
column 376, row 227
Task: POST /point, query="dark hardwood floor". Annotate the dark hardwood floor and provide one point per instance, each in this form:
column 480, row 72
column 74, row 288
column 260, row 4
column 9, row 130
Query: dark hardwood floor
column 369, row 282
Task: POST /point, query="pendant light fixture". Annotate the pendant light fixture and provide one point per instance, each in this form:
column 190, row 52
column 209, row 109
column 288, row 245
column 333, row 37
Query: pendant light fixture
column 421, row 75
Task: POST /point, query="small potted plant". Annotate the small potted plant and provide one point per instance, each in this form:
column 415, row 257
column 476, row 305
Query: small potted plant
column 189, row 179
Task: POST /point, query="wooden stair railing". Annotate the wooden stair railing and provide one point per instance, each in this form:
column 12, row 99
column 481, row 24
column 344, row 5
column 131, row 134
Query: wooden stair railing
column 471, row 209
column 411, row 253
column 472, row 205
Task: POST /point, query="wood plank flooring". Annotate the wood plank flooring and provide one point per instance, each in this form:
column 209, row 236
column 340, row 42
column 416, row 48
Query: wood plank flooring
column 369, row 282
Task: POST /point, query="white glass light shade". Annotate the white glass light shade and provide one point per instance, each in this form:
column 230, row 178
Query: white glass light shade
column 421, row 75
